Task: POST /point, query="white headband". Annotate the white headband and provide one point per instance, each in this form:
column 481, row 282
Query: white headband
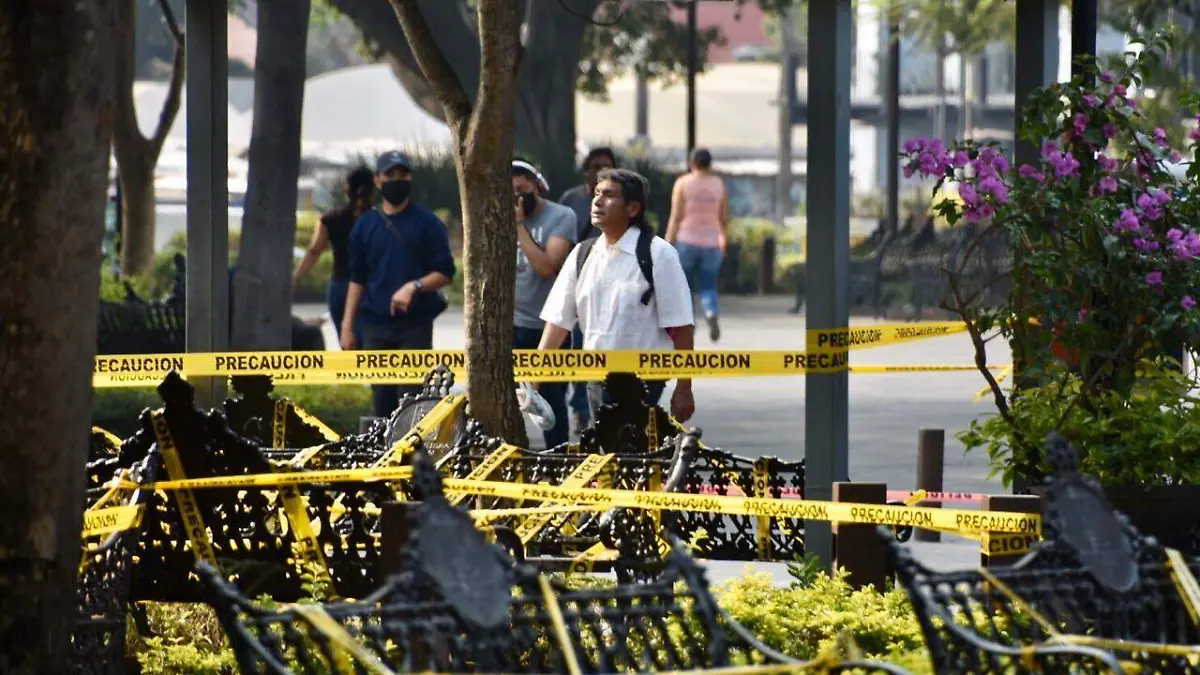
column 526, row 166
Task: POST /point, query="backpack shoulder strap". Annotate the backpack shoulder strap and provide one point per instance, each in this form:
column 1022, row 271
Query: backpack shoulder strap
column 585, row 249
column 645, row 261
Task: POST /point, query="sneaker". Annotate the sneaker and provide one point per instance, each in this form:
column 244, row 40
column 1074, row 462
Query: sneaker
column 714, row 327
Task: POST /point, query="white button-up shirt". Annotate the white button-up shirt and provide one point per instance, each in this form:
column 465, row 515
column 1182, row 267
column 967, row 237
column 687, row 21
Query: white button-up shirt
column 606, row 296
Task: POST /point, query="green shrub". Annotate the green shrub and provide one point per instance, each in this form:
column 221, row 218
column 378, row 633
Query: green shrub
column 338, row 406
column 800, row 621
column 746, row 236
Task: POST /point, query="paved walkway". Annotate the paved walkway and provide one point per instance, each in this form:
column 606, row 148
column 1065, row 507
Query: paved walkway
column 765, row 415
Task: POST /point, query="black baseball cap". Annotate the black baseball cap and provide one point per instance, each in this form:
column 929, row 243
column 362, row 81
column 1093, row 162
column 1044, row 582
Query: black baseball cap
column 392, row 159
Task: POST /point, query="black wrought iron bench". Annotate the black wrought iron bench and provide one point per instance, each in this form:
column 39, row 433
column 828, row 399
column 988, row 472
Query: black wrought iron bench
column 462, row 605
column 1093, row 596
column 102, row 593
column 274, row 421
column 140, row 326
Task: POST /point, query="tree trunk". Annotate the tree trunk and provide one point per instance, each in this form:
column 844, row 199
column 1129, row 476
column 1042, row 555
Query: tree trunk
column 545, row 117
column 965, row 122
column 482, row 133
column 135, row 169
column 262, row 289
column 56, row 115
column 137, row 156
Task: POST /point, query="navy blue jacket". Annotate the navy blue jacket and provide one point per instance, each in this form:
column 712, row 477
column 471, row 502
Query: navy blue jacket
column 382, row 262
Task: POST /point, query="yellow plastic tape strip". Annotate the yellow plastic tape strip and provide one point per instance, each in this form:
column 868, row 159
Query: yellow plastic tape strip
column 308, row 549
column 1006, row 544
column 585, row 562
column 485, row 469
column 329, row 434
column 319, row 619
column 482, row 516
column 761, row 489
column 830, row 354
column 1185, row 583
column 586, row 472
column 303, row 457
column 428, row 426
column 189, row 510
column 802, row 509
column 559, row 625
column 389, row 473
column 108, row 436
column 99, row 522
column 879, row 335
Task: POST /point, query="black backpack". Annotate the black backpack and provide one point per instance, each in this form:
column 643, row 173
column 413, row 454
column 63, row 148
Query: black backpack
column 642, row 252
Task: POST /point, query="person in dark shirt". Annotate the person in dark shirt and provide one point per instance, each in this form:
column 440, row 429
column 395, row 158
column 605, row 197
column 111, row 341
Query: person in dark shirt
column 399, row 260
column 333, row 231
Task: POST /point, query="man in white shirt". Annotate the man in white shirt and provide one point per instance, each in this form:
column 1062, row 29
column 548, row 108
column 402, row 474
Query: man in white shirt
column 629, row 291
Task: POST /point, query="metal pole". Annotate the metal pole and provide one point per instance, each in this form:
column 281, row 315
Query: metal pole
column 892, row 146
column 693, row 65
column 1083, row 32
column 931, row 455
column 826, row 395
column 208, row 191
column 787, row 98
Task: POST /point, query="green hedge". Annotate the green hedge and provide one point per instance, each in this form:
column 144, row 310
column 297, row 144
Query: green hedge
column 801, row 621
column 338, row 406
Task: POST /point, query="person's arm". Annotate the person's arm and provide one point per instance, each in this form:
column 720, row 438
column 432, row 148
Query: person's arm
column 724, row 222
column 441, row 262
column 559, row 311
column 317, row 246
column 673, row 297
column 547, row 262
column 359, row 275
column 677, row 207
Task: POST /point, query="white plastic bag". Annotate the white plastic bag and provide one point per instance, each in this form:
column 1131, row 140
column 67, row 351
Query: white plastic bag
column 535, row 406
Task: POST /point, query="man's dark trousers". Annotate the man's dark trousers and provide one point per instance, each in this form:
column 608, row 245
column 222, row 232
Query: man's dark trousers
column 395, row 335
column 555, row 393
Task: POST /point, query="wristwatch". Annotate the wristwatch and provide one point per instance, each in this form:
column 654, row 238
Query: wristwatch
column 419, row 285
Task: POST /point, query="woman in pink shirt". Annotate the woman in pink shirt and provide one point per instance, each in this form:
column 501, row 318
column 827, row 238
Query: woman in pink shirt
column 699, row 218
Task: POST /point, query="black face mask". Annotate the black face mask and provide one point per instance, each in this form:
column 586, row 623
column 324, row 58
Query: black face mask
column 528, row 203
column 396, row 191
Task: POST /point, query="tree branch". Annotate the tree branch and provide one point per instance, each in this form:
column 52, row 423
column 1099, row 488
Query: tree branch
column 429, row 56
column 172, row 23
column 170, row 109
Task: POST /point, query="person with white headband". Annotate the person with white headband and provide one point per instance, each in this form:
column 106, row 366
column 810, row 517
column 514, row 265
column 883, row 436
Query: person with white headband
column 546, row 233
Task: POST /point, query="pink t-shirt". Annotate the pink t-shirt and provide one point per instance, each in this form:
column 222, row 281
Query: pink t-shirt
column 701, row 221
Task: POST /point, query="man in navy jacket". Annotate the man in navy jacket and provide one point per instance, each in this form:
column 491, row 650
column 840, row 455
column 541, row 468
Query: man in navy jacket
column 399, row 260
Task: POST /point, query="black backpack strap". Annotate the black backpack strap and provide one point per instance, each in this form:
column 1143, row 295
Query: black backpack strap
column 585, row 249
column 645, row 261
column 642, row 252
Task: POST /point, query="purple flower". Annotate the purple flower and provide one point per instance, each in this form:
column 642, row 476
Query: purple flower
column 1128, row 221
column 1186, row 246
column 1120, row 90
column 1174, row 234
column 1106, row 186
column 1194, row 134
column 1064, row 163
column 1154, row 278
column 1187, row 302
column 1107, row 163
column 1160, row 137
column 995, row 187
column 1091, row 100
column 1080, row 123
column 961, row 158
column 1145, row 245
column 1106, row 77
column 1110, row 130
column 1027, row 171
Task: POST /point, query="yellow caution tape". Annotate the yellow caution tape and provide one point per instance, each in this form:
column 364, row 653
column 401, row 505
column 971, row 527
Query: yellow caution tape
column 879, row 335
column 108, row 436
column 319, row 620
column 801, row 509
column 1006, row 544
column 322, row 428
column 830, row 353
column 189, row 510
column 485, row 469
column 761, row 473
column 98, row 522
column 366, row 475
column 583, row 474
column 308, row 549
